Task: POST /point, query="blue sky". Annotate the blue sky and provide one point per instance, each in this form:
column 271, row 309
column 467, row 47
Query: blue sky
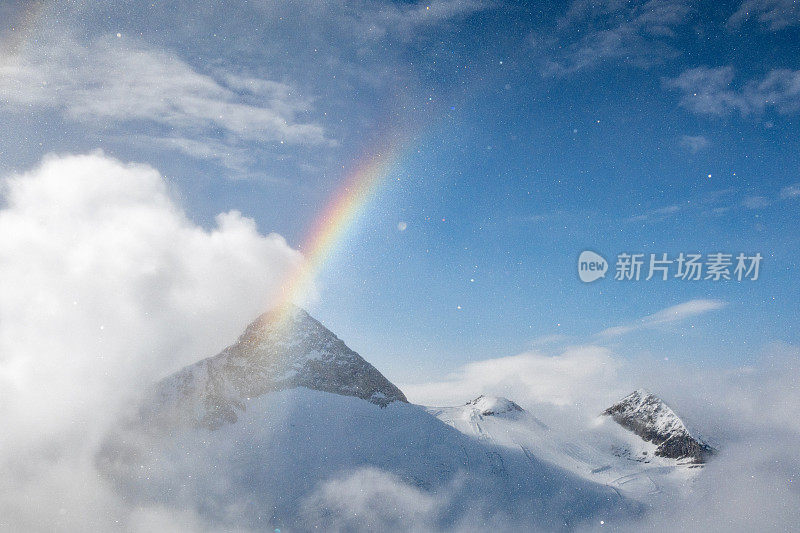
column 538, row 132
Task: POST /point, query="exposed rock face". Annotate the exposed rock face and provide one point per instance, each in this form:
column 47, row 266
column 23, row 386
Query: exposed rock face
column 272, row 354
column 649, row 417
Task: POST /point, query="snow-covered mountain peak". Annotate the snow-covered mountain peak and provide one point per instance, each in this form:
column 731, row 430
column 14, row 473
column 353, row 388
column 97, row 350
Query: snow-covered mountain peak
column 494, row 405
column 289, row 318
column 277, row 351
column 651, row 410
column 654, row 421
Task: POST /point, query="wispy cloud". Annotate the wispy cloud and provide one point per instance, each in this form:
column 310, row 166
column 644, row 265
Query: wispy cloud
column 756, row 202
column 554, row 339
column 695, row 143
column 120, row 84
column 658, row 213
column 637, row 33
column 234, row 158
column 711, row 91
column 773, row 14
column 670, row 315
column 116, row 79
column 791, row 191
column 370, row 20
column 405, row 20
column 717, row 203
column 279, row 93
column 237, row 159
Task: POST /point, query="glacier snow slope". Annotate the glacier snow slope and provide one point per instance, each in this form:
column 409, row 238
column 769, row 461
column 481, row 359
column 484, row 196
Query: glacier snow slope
column 602, row 452
column 303, row 459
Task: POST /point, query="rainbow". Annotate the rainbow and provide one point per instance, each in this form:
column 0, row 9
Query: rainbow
column 330, row 228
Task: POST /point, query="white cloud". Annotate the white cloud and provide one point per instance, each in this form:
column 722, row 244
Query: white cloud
column 670, row 315
column 107, row 286
column 749, row 413
column 706, row 90
column 369, row 498
column 710, row 91
column 749, row 487
column 239, row 86
column 730, row 404
column 573, row 377
column 587, row 375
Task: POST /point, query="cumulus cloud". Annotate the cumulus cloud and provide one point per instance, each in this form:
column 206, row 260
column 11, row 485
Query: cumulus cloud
column 731, row 403
column 747, row 488
column 710, row 91
column 366, row 499
column 107, row 286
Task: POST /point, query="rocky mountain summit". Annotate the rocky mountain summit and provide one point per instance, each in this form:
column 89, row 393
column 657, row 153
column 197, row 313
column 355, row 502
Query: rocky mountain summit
column 650, row 418
column 277, row 351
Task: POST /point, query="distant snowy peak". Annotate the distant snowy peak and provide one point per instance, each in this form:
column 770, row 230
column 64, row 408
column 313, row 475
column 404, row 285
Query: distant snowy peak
column 293, row 350
column 649, row 417
column 493, row 405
